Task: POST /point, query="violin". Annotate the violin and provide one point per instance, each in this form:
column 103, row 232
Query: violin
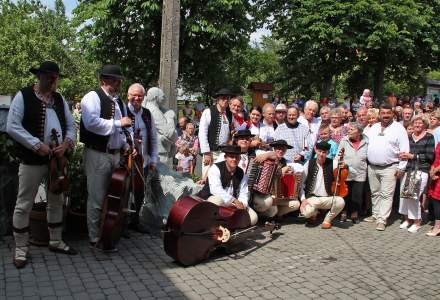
column 339, row 185
column 196, row 228
column 58, row 180
column 115, row 206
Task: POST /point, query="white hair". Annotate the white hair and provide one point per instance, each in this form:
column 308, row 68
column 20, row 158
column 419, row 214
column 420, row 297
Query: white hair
column 267, row 105
column 137, row 86
column 311, row 103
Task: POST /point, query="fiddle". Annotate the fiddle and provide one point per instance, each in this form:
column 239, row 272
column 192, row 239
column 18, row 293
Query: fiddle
column 339, row 186
column 58, row 180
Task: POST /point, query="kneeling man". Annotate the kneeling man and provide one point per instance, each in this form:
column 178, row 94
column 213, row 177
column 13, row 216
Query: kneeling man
column 316, row 194
column 227, row 184
column 264, row 204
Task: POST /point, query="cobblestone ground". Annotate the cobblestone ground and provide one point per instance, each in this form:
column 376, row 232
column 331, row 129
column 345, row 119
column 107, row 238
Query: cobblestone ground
column 352, row 262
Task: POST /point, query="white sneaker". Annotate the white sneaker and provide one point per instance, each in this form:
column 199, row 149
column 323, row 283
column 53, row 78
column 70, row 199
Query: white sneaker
column 404, row 225
column 414, row 228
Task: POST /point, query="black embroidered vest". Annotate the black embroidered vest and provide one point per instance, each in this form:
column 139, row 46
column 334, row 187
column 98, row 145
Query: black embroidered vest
column 226, row 179
column 146, row 117
column 327, row 169
column 93, row 140
column 34, row 120
column 214, row 128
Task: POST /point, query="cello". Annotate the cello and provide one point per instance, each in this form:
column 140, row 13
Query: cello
column 115, row 206
column 339, row 186
column 58, row 180
column 196, row 228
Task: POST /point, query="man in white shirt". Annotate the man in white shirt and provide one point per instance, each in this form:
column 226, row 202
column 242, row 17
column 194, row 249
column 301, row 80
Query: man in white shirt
column 227, row 183
column 268, row 125
column 35, row 111
column 309, row 119
column 387, row 139
column 144, row 128
column 103, row 120
column 316, row 193
column 214, row 129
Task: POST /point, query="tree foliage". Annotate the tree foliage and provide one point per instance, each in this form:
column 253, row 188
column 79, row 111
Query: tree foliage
column 366, row 38
column 128, row 33
column 31, row 33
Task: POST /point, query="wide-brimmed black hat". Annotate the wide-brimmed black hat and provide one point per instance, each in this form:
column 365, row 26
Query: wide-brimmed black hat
column 280, row 143
column 323, row 146
column 243, row 133
column 230, row 149
column 224, row 92
column 112, row 71
column 46, row 67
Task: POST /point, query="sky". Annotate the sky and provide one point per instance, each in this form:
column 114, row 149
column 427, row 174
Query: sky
column 71, row 4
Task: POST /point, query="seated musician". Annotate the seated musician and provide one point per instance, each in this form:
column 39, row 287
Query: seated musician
column 266, row 205
column 227, row 184
column 316, row 193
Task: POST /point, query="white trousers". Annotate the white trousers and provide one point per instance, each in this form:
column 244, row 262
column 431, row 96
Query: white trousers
column 382, row 185
column 263, row 205
column 219, row 201
column 410, row 207
column 335, row 205
column 99, row 167
column 29, row 179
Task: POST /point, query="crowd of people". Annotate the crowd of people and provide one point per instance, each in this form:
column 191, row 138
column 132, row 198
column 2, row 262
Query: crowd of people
column 381, row 148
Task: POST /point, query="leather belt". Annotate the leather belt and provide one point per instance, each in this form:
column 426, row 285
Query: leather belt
column 383, row 166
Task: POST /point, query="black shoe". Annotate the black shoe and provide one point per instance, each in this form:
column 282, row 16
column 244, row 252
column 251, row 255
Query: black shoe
column 125, row 234
column 343, row 218
column 355, row 221
column 63, row 248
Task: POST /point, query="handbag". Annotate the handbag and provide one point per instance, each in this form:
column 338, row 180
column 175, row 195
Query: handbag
column 413, row 182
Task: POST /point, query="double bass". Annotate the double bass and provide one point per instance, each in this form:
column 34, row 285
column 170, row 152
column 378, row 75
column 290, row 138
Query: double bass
column 115, row 206
column 58, row 180
column 196, row 228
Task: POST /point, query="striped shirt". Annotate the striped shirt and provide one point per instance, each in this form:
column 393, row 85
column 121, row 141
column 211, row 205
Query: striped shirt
column 298, row 137
column 425, row 149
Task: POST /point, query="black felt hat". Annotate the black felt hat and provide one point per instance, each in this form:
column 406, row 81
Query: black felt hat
column 323, row 146
column 46, row 67
column 224, row 92
column 112, row 71
column 230, row 149
column 280, row 143
column 243, row 133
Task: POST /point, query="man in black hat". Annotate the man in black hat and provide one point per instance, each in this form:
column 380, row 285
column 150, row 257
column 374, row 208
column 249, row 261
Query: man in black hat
column 316, row 193
column 214, row 128
column 103, row 119
column 267, row 205
column 35, row 111
column 227, row 184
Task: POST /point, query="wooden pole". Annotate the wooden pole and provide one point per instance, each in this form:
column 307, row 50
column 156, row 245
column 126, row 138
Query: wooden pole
column 169, row 51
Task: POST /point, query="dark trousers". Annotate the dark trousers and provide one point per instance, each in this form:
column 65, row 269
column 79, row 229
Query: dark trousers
column 354, row 199
column 435, row 208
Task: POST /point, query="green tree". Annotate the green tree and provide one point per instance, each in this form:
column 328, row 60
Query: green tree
column 128, row 33
column 366, row 38
column 31, row 33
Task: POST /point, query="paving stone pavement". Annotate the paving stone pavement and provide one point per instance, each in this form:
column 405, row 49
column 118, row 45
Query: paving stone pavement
column 298, row 262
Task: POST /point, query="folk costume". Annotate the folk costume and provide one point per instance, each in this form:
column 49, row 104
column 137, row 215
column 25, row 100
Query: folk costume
column 317, row 189
column 144, row 122
column 264, row 204
column 30, row 122
column 222, row 187
column 214, row 129
column 103, row 137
